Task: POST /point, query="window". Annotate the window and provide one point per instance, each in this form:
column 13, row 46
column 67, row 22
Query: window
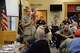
column 12, row 7
column 12, row 23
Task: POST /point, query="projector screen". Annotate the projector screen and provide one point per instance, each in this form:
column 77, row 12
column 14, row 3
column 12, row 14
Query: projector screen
column 12, row 7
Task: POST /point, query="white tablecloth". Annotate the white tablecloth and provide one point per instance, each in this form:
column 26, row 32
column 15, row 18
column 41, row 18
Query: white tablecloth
column 10, row 48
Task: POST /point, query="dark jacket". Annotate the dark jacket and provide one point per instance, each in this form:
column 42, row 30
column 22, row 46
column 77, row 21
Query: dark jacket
column 40, row 46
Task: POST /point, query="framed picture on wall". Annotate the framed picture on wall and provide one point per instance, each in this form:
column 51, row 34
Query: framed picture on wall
column 42, row 13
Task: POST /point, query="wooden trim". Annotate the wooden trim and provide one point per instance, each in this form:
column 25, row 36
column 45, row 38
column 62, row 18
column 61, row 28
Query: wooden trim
column 7, row 36
column 65, row 6
column 71, row 2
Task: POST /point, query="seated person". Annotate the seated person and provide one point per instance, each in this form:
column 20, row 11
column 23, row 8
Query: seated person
column 65, row 32
column 71, row 45
column 74, row 46
column 40, row 45
column 64, row 45
column 62, row 35
column 74, row 27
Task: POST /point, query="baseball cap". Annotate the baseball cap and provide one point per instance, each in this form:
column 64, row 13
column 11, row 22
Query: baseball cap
column 77, row 33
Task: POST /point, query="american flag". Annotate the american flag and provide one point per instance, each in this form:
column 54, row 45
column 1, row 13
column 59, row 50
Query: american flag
column 20, row 28
column 4, row 19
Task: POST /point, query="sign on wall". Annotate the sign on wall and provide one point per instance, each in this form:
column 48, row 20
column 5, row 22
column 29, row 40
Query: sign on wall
column 78, row 8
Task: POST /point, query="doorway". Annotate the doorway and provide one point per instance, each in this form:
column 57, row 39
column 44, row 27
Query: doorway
column 72, row 10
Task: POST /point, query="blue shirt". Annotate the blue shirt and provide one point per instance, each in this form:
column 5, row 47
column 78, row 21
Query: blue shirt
column 74, row 46
column 54, row 23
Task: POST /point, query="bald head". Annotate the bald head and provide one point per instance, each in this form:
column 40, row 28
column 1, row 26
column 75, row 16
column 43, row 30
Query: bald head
column 65, row 18
column 74, row 24
column 41, row 34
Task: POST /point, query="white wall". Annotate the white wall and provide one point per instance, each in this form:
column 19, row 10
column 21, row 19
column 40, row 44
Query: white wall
column 45, row 5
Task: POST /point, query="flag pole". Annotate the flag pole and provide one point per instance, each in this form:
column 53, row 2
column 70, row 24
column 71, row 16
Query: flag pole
column 20, row 29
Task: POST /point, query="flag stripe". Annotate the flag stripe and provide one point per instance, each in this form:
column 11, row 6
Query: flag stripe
column 4, row 21
column 3, row 28
column 4, row 17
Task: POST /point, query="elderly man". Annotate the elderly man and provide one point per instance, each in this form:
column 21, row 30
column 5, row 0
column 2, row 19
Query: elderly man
column 40, row 45
column 74, row 27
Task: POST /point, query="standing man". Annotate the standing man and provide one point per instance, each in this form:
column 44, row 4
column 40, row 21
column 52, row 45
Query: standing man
column 27, row 25
column 54, row 27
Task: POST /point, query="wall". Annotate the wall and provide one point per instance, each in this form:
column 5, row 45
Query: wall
column 45, row 5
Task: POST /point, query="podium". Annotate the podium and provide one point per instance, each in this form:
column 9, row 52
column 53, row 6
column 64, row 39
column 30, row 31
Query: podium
column 7, row 36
